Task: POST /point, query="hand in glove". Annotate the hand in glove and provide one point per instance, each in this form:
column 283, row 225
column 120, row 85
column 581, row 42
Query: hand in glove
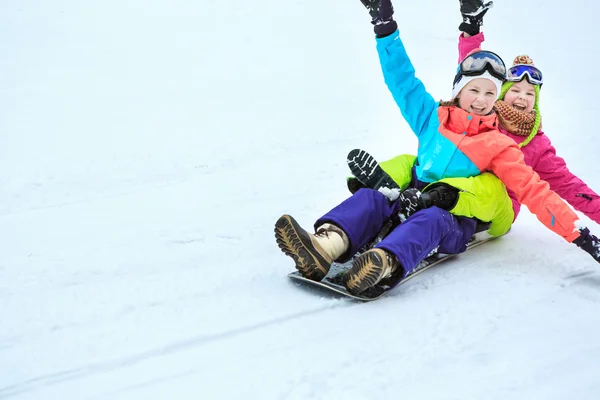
column 410, row 201
column 440, row 195
column 589, row 243
column 472, row 12
column 381, row 12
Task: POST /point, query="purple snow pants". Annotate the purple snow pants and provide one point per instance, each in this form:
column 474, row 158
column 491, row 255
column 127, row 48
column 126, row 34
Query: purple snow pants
column 364, row 214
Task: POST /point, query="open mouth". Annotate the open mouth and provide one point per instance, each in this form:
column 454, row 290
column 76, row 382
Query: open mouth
column 519, row 107
column 478, row 110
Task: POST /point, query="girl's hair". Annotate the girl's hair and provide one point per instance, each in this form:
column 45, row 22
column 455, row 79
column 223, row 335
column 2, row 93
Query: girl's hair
column 536, row 107
column 449, row 103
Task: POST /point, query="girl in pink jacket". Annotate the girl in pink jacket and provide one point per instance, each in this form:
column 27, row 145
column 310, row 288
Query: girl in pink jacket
column 520, row 119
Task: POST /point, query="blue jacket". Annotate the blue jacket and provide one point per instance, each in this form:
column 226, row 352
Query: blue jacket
column 454, row 143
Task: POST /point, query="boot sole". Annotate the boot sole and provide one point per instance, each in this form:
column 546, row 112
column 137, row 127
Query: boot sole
column 366, row 271
column 296, row 243
column 368, row 171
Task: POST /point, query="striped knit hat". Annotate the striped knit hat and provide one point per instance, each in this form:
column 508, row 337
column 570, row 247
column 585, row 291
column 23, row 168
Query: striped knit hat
column 525, row 59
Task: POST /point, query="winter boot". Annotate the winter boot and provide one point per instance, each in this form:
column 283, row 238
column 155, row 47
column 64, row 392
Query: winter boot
column 368, row 171
column 313, row 254
column 354, row 185
column 369, row 269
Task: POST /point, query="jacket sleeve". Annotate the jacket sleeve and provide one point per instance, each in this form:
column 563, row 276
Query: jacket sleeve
column 468, row 44
column 515, row 203
column 567, row 185
column 509, row 165
column 416, row 104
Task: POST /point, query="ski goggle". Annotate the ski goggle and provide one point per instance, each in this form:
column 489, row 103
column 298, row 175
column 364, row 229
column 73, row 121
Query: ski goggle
column 533, row 75
column 481, row 61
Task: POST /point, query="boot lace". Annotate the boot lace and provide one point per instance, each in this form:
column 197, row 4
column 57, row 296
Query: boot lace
column 322, row 233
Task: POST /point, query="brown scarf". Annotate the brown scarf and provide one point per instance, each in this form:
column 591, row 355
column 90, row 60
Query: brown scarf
column 516, row 122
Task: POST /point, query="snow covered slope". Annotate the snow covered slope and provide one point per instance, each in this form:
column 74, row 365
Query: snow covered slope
column 147, row 148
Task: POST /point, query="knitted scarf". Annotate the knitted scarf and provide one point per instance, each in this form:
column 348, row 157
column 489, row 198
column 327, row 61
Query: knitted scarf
column 516, row 122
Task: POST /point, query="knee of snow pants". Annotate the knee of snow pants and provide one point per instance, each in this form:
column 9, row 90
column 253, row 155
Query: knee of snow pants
column 426, row 230
column 361, row 216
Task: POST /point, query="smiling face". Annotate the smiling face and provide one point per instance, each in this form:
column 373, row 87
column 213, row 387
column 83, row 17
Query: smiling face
column 478, row 96
column 521, row 96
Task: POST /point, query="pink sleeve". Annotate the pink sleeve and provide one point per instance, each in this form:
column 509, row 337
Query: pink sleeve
column 515, row 203
column 553, row 169
column 467, row 45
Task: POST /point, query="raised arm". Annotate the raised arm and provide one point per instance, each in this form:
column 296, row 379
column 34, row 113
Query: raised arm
column 469, row 44
column 416, row 105
column 471, row 37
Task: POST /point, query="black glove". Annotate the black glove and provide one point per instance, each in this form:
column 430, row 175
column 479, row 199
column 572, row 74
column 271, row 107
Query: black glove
column 381, row 12
column 442, row 195
column 588, row 243
column 373, row 7
column 410, row 201
column 472, row 12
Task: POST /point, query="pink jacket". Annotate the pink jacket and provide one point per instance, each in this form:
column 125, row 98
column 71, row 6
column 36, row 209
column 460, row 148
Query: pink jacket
column 541, row 156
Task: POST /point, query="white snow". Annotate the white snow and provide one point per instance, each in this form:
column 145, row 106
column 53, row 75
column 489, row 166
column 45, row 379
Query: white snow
column 148, row 147
column 391, row 194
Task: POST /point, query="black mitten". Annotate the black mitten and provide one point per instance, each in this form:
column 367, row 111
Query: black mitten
column 381, row 12
column 588, row 243
column 472, row 12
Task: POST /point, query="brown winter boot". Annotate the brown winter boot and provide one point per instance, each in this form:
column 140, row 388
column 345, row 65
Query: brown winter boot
column 313, row 254
column 370, row 268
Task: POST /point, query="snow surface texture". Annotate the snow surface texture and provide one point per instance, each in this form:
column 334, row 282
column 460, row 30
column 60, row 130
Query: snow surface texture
column 148, row 148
